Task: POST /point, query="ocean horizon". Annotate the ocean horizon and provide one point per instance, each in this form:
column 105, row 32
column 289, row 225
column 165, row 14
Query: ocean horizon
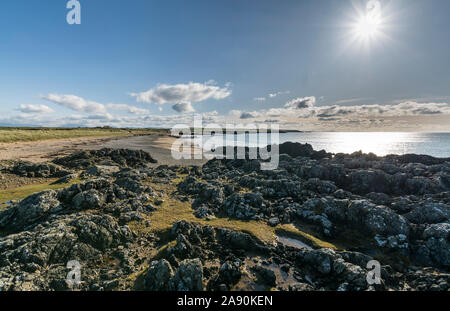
column 379, row 143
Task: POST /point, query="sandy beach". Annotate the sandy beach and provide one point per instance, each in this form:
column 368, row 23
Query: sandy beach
column 158, row 145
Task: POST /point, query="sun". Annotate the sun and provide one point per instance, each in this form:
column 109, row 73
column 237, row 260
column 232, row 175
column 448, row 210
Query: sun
column 368, row 26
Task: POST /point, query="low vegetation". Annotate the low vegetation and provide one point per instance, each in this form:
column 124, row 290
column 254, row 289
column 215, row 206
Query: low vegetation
column 25, row 191
column 10, row 135
column 173, row 210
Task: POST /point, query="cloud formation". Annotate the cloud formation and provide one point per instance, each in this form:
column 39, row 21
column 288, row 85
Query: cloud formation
column 393, row 110
column 76, row 103
column 130, row 109
column 300, row 113
column 185, row 107
column 295, row 107
column 181, row 94
column 247, row 115
column 301, row 103
column 304, row 108
column 94, row 109
column 35, row 109
column 272, row 95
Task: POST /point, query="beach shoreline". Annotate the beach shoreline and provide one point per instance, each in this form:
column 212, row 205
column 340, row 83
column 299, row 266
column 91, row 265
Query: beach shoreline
column 158, row 145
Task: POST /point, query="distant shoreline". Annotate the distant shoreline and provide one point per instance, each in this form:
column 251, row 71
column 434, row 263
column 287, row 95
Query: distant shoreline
column 157, row 144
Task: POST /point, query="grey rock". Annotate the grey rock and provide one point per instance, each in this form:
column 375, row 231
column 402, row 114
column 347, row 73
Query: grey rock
column 29, row 211
column 102, row 170
column 90, row 199
column 189, row 277
column 429, row 213
column 158, row 276
column 376, row 219
column 229, row 274
column 273, row 222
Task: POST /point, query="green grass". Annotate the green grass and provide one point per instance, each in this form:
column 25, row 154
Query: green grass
column 10, row 135
column 25, row 191
column 173, row 210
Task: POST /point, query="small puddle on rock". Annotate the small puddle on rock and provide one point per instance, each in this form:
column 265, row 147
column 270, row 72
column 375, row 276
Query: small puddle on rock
column 291, row 242
column 250, row 280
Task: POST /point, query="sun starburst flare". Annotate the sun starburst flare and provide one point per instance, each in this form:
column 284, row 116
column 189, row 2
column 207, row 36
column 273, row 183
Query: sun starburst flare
column 369, row 23
column 367, row 26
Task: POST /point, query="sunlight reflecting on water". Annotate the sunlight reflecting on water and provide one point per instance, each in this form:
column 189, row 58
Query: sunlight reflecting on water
column 380, row 143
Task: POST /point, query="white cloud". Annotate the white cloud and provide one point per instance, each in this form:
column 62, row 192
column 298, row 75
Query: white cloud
column 393, row 110
column 80, row 104
column 304, row 108
column 296, row 107
column 183, row 107
column 409, row 115
column 35, row 109
column 235, row 113
column 278, row 94
column 76, row 103
column 130, row 109
column 301, row 103
column 182, row 94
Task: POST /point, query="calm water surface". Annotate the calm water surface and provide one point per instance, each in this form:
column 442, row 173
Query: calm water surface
column 434, row 144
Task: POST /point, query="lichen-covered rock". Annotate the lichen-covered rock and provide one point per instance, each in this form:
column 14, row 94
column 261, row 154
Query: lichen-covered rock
column 101, row 232
column 120, row 157
column 243, row 206
column 41, row 255
column 90, row 199
column 102, row 170
column 29, row 211
column 376, row 219
column 46, row 170
column 188, row 277
column 158, row 276
column 229, row 274
column 366, row 181
column 429, row 213
column 437, row 241
column 320, row 186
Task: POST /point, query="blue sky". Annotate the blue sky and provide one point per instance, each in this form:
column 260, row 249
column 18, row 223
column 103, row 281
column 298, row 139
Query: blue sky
column 300, row 51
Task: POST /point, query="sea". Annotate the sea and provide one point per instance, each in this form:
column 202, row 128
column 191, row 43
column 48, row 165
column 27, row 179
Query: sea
column 379, row 143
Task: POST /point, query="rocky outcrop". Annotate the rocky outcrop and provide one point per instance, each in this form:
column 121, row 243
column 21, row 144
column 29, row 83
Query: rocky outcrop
column 45, row 170
column 159, row 276
column 302, row 150
column 435, row 248
column 394, row 209
column 110, row 157
column 30, row 211
column 85, row 238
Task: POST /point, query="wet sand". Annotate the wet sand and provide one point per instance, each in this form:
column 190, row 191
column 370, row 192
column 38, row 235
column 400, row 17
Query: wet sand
column 158, row 145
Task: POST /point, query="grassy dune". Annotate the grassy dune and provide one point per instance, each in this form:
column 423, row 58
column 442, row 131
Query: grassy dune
column 10, row 135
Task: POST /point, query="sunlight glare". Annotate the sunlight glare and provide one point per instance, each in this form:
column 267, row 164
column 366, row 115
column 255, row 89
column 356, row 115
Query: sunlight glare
column 368, row 26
